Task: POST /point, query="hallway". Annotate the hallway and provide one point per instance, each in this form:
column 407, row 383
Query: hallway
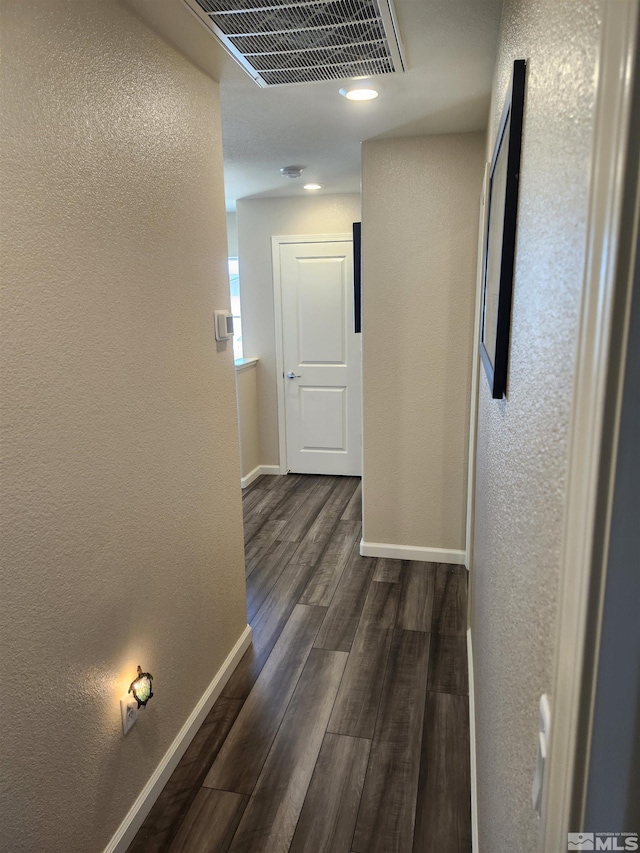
column 346, row 725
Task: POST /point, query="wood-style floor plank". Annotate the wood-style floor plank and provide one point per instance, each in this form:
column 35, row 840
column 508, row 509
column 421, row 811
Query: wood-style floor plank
column 330, row 809
column 388, row 571
column 341, row 621
column 307, row 511
column 443, row 814
column 275, row 481
column 162, row 822
column 250, row 530
column 315, row 540
column 448, row 664
column 328, row 571
column 276, row 505
column 416, row 602
column 353, row 510
column 321, row 530
column 295, row 499
column 210, row 823
column 250, row 500
column 450, row 600
column 271, row 498
column 260, row 544
column 269, row 821
column 357, row 702
column 243, row 753
column 266, row 572
column 405, row 685
column 266, row 627
column 387, row 811
column 344, row 495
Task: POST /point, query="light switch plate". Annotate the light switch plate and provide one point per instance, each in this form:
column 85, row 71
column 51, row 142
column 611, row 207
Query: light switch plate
column 544, row 728
column 223, row 325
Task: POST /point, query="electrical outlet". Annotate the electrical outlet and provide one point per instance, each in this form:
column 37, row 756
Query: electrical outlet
column 129, row 711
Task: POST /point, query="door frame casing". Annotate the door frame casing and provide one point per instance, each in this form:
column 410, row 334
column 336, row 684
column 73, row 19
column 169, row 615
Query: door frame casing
column 589, row 492
column 276, row 242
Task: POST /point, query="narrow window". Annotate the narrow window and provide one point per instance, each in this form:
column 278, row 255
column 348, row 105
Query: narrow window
column 234, row 286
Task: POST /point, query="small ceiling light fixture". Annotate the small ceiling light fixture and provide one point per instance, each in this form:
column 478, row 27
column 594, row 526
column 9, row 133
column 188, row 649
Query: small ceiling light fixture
column 359, row 93
column 312, row 187
column 291, row 171
column 141, row 687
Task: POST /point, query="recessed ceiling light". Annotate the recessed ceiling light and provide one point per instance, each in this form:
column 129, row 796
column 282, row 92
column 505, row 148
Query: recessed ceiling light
column 358, row 93
column 312, row 186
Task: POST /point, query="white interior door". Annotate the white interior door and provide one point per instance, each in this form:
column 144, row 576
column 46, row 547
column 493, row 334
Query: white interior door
column 321, row 358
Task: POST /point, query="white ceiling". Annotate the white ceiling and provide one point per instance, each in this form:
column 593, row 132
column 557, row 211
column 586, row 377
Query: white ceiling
column 449, row 48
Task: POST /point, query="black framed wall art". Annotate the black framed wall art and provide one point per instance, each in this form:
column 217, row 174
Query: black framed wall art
column 357, row 277
column 500, row 236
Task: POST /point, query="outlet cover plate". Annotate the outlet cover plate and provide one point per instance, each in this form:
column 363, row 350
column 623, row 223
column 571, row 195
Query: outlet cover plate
column 129, row 711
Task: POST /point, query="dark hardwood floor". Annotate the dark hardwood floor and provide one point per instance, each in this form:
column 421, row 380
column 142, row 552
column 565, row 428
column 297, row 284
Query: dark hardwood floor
column 345, row 727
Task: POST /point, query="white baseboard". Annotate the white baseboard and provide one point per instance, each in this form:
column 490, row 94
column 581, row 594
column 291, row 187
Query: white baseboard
column 258, row 471
column 151, row 791
column 472, row 743
column 408, row 552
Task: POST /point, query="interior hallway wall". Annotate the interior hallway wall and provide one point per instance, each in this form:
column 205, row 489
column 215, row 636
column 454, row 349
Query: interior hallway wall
column 120, row 476
column 248, row 424
column 420, row 206
column 259, row 220
column 523, row 440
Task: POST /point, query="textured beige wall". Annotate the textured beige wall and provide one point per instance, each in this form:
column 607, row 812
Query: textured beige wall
column 420, row 202
column 119, row 487
column 522, row 441
column 258, row 221
column 247, row 389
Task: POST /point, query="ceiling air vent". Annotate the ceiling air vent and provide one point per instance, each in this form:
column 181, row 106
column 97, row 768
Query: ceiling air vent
column 284, row 41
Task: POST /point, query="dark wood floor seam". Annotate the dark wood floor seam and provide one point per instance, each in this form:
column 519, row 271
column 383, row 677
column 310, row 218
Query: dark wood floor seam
column 383, row 678
column 283, row 498
column 357, row 704
column 326, row 540
column 355, row 824
column 242, row 757
column 289, row 702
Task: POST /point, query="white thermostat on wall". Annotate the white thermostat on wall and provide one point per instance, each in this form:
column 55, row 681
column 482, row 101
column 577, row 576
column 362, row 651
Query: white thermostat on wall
column 224, row 325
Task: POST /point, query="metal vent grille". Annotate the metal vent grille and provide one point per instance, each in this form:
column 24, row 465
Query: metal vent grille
column 302, row 41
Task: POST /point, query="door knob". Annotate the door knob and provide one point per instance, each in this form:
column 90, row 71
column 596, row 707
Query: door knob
column 292, row 375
